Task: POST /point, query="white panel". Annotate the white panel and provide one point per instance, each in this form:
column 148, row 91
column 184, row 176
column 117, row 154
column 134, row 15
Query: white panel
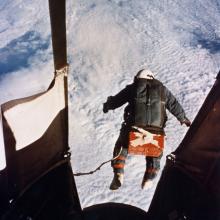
column 29, row 121
column 2, row 148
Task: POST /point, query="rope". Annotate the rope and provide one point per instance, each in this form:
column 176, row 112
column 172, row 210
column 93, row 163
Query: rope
column 99, row 167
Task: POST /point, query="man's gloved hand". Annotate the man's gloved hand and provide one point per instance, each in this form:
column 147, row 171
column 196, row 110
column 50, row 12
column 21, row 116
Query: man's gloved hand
column 186, row 121
column 105, row 107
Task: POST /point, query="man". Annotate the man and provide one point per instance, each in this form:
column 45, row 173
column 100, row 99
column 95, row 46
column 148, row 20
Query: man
column 144, row 118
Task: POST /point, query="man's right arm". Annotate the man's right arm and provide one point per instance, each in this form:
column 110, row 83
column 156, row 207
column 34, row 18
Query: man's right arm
column 118, row 100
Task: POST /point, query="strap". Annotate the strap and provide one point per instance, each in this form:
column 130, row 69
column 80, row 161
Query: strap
column 163, row 98
column 58, row 29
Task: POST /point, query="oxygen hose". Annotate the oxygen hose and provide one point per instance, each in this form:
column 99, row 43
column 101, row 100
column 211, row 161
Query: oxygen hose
column 99, row 167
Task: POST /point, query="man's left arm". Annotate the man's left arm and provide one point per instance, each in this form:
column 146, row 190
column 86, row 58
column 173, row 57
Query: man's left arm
column 175, row 108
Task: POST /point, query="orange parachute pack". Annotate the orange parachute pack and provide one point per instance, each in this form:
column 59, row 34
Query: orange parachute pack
column 142, row 142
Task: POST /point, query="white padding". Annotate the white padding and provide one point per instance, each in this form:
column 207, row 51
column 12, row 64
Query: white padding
column 29, row 121
column 2, row 148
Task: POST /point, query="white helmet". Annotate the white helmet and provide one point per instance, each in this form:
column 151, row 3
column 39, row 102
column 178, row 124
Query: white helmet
column 144, row 74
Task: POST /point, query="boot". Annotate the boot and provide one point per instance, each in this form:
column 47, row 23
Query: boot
column 146, row 184
column 148, row 178
column 117, row 181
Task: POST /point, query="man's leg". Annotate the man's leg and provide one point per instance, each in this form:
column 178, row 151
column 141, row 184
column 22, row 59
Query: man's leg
column 118, row 167
column 120, row 152
column 152, row 169
column 152, row 166
column 119, row 163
